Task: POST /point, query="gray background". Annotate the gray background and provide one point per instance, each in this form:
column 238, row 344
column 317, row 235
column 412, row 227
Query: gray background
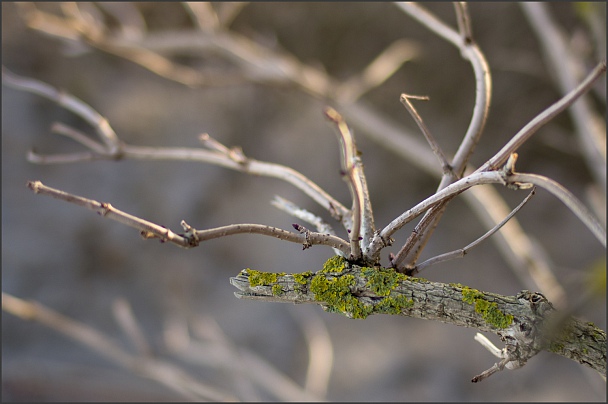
column 77, row 263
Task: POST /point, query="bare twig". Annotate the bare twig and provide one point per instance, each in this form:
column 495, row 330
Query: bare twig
column 405, row 100
column 473, row 54
column 362, row 229
column 220, row 155
column 541, row 119
column 590, row 126
column 192, row 237
column 568, row 199
column 69, row 102
column 463, row 251
column 147, row 229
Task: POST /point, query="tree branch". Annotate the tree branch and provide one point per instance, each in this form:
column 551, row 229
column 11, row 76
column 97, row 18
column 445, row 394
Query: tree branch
column 524, row 322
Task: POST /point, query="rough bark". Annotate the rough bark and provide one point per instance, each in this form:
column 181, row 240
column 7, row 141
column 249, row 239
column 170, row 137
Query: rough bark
column 527, row 322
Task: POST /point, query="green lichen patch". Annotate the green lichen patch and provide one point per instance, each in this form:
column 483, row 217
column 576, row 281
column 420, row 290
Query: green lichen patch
column 393, row 305
column 277, row 289
column 382, row 281
column 302, row 278
column 488, row 310
column 258, row 278
column 336, row 293
column 334, row 265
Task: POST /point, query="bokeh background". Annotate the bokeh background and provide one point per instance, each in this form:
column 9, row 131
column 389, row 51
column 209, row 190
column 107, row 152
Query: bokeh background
column 78, row 263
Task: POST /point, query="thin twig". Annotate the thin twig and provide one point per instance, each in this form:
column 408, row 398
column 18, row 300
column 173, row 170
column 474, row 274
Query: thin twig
column 192, row 237
column 470, row 51
column 405, row 100
column 541, row 119
column 590, row 125
column 463, row 251
column 69, row 102
column 568, row 199
column 148, row 229
column 362, row 229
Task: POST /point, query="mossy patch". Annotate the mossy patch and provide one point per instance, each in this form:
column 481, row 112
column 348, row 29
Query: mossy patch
column 258, row 278
column 334, row 286
column 277, row 289
column 382, row 281
column 302, row 278
column 488, row 310
column 393, row 305
column 334, row 265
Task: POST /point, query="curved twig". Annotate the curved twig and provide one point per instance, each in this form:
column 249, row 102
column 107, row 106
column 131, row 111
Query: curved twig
column 567, row 198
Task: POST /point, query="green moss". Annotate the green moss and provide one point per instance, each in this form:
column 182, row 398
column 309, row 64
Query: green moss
column 277, row 289
column 334, row 265
column 302, row 278
column 488, row 310
column 337, row 295
column 382, row 281
column 393, row 305
column 258, row 278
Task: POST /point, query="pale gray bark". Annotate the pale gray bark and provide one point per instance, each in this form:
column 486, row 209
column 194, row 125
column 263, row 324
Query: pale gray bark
column 531, row 318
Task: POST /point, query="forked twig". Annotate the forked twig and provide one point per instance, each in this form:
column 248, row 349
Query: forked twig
column 362, row 229
column 69, row 102
column 483, row 90
column 463, row 251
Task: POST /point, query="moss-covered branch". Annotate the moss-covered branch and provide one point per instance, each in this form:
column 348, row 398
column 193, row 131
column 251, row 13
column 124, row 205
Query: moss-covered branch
column 357, row 292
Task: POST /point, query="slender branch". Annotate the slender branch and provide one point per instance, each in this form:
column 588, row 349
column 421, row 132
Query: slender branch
column 405, row 100
column 220, row 155
column 463, row 251
column 307, row 240
column 361, row 212
column 69, row 102
column 147, row 229
column 192, row 237
column 483, row 91
column 568, row 199
column 541, row 119
column 590, row 125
